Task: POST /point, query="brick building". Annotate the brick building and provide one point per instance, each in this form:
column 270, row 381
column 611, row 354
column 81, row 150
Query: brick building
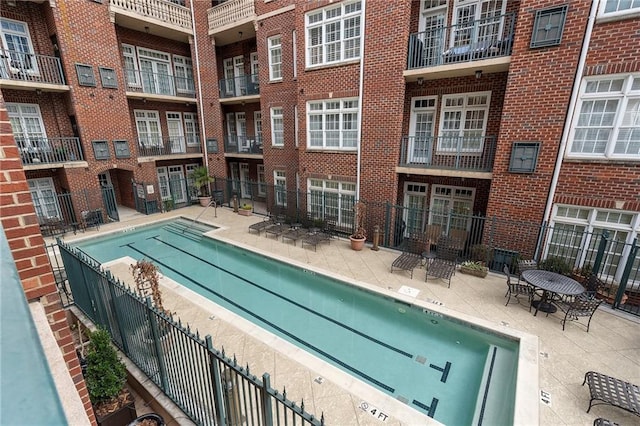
column 519, row 110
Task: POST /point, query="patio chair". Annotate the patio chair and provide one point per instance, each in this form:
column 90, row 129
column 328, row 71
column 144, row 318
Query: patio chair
column 315, row 238
column 578, row 308
column 604, row 422
column 276, row 230
column 611, row 391
column 591, row 286
column 525, row 265
column 444, row 265
column 433, row 232
column 411, row 256
column 516, row 289
column 458, row 239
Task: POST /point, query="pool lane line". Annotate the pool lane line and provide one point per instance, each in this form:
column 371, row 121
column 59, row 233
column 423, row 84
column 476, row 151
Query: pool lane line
column 293, row 302
column 276, row 327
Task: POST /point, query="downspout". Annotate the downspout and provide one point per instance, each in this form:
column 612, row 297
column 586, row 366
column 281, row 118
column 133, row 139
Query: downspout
column 361, row 88
column 200, row 103
column 570, row 110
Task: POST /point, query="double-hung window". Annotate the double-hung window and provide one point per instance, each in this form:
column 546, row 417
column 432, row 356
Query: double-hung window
column 17, row 42
column 28, row 127
column 280, row 184
column 330, row 199
column 607, row 124
column 332, row 124
column 183, row 68
column 333, row 34
column 277, row 127
column 148, row 126
column 191, row 130
column 619, row 7
column 275, row 58
column 463, row 122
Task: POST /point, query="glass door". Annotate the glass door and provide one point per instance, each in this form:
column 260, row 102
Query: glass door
column 176, row 132
column 421, row 134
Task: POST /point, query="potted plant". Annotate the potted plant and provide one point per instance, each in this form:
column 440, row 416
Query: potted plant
column 475, row 268
column 481, row 253
column 581, row 274
column 105, row 377
column 245, row 210
column 359, row 236
column 201, row 181
column 556, row 264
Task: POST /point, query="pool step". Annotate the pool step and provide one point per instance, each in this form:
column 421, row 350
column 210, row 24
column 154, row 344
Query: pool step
column 498, row 369
column 186, row 230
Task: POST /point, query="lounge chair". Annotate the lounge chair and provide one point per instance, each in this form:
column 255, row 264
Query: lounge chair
column 294, row 234
column 444, row 265
column 612, row 391
column 411, row 257
column 276, row 230
column 261, row 226
column 315, row 238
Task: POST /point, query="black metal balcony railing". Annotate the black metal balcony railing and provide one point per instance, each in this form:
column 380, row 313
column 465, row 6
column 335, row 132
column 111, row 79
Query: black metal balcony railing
column 159, row 84
column 449, row 152
column 243, row 144
column 30, row 67
column 155, row 146
column 35, row 151
column 240, row 86
column 472, row 41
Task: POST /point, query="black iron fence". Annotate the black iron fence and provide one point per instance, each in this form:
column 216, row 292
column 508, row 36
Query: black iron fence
column 49, row 150
column 209, row 386
column 449, row 152
column 31, row 67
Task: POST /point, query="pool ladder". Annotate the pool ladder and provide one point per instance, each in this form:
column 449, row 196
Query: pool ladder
column 215, row 214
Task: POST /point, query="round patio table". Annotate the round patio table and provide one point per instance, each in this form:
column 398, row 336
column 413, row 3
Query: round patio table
column 550, row 283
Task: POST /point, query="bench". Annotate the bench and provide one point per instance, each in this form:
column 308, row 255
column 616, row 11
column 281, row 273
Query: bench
column 612, row 391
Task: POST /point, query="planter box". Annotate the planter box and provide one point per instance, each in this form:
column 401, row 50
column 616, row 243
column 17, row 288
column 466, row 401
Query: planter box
column 475, row 272
column 243, row 212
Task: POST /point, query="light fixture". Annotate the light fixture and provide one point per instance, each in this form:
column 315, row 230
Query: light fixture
column 478, row 73
column 239, row 34
column 420, row 81
column 38, row 92
column 146, row 30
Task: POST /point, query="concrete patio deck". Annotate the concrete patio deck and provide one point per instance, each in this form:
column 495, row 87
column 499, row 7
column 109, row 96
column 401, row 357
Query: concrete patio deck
column 612, row 345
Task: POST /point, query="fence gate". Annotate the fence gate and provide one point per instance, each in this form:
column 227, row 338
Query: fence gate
column 109, row 200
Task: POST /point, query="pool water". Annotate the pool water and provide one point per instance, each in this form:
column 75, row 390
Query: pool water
column 439, row 366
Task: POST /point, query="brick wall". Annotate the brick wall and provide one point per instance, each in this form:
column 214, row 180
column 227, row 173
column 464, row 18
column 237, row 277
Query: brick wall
column 28, row 251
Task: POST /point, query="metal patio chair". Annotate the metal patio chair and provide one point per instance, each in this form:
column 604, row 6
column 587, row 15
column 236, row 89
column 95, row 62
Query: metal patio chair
column 516, row 289
column 611, row 391
column 411, row 256
column 578, row 308
column 444, row 264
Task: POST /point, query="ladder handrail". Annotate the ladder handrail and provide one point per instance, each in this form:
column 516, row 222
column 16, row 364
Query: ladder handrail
column 215, row 213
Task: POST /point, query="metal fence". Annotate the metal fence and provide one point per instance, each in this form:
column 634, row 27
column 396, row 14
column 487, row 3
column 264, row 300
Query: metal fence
column 209, row 386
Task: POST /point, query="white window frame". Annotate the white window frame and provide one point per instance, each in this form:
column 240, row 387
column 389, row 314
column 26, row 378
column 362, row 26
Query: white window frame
column 420, row 144
column 626, row 12
column 22, row 60
column 486, row 33
column 460, row 201
column 317, row 138
column 160, row 83
column 472, row 139
column 262, row 183
column 43, row 190
column 280, row 187
column 257, row 126
column 148, row 116
column 344, row 194
column 294, row 48
column 344, row 47
column 28, row 138
column 191, row 128
column 255, row 67
column 623, row 98
column 415, row 207
column 132, row 74
column 171, row 181
column 274, row 44
column 183, row 71
column 277, row 126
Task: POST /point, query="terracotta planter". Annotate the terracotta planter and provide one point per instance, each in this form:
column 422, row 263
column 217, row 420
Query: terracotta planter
column 204, row 201
column 357, row 244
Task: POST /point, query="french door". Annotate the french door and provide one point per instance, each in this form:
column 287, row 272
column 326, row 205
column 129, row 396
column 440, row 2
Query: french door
column 233, row 74
column 245, row 183
column 423, row 111
column 156, row 77
column 44, row 198
column 176, row 132
column 415, row 201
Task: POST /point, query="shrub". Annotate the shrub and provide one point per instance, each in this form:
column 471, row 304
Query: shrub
column 106, row 373
column 556, row 264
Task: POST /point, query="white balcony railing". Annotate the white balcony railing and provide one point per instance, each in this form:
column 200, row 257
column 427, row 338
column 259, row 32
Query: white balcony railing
column 228, row 13
column 165, row 11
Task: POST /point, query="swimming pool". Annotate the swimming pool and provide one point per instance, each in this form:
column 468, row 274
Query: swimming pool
column 435, row 364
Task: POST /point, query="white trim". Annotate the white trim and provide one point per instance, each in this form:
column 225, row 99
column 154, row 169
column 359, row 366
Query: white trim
column 275, row 114
column 322, row 108
column 295, row 53
column 274, row 48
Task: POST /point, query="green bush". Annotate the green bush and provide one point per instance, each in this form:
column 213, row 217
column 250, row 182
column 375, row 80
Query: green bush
column 106, row 374
column 557, row 265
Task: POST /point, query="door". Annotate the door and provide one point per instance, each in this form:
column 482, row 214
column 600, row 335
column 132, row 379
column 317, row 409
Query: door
column 235, row 177
column 177, row 184
column 44, row 198
column 241, row 131
column 149, row 135
column 477, row 23
column 245, row 184
column 108, row 196
column 432, row 25
column 234, row 76
column 28, row 131
column 176, row 133
column 415, row 200
column 421, row 126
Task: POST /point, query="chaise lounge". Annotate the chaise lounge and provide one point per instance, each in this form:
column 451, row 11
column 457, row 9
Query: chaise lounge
column 612, row 391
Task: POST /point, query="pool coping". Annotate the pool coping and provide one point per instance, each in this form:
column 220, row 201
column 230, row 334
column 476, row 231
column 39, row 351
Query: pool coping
column 526, row 400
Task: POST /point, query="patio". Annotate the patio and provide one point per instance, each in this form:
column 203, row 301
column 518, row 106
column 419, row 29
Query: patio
column 611, row 346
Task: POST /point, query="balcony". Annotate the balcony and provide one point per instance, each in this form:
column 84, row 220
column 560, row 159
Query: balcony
column 48, row 151
column 462, row 49
column 466, row 156
column 240, row 87
column 173, row 146
column 22, row 71
column 160, row 87
column 243, row 144
column 232, row 21
column 164, row 18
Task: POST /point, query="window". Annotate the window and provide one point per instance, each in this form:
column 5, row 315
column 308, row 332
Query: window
column 108, row 78
column 17, row 41
column 101, row 150
column 619, row 7
column 262, row 184
column 277, row 127
column 295, row 125
column 451, row 207
column 421, row 129
column 255, row 68
column 44, row 198
column 576, row 231
column 155, row 72
column 121, row 148
column 463, row 122
column 280, row 184
column 275, row 58
column 257, row 125
column 333, row 124
column 183, row 68
column 333, row 34
column 212, row 145
column 189, row 169
column 608, row 122
column 85, row 75
column 477, row 22
column 131, row 65
column 148, row 127
column 28, row 127
column 332, row 199
column 524, row 157
column 548, row 27
column 175, row 131
column 295, row 53
column 191, row 129
column 172, row 184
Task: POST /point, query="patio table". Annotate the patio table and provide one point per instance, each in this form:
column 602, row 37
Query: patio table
column 550, row 283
